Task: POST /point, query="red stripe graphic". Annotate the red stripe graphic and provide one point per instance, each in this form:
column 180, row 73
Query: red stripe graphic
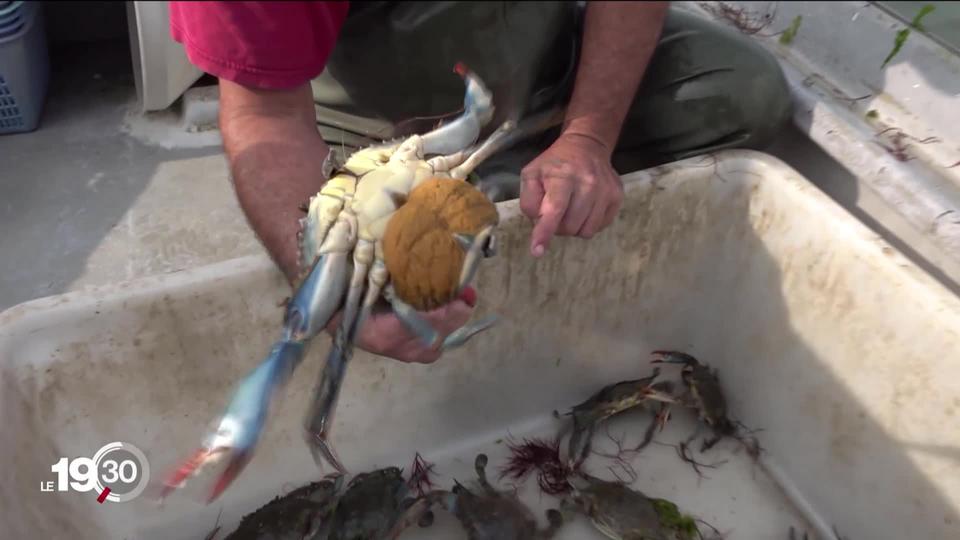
column 103, row 496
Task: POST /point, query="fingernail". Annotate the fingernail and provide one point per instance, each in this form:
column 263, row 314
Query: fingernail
column 469, row 295
column 538, row 250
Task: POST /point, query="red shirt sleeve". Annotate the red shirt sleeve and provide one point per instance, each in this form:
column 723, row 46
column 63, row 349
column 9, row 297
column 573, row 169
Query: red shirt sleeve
column 261, row 44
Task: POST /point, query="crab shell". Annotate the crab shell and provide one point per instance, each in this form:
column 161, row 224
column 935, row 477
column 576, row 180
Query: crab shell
column 421, row 253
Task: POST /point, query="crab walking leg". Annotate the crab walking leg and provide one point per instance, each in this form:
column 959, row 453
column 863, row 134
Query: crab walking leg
column 321, row 413
column 441, row 164
column 554, row 523
column 459, row 165
column 476, row 247
column 321, row 216
column 327, row 389
column 508, row 134
column 580, row 443
column 480, row 467
column 324, row 401
column 479, row 154
column 418, row 512
column 376, row 281
column 409, row 317
column 463, row 334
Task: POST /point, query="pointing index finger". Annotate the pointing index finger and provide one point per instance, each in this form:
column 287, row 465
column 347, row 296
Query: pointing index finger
column 555, row 202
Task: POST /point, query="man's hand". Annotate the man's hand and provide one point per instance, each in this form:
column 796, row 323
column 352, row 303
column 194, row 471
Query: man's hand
column 385, row 335
column 570, row 190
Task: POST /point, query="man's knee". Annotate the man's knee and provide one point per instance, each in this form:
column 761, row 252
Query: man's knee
column 767, row 105
column 721, row 88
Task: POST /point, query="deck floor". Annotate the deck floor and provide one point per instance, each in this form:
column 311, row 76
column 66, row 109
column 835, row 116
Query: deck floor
column 85, row 200
column 943, row 23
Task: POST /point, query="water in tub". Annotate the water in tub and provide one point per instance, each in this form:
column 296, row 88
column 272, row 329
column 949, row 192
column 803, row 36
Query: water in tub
column 736, row 496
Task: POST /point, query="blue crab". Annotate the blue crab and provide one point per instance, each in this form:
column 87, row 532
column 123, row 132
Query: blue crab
column 378, row 504
column 705, row 395
column 294, row 516
column 610, row 401
column 622, row 513
column 488, row 514
column 341, row 251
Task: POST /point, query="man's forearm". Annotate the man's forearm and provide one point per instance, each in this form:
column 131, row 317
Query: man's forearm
column 618, row 41
column 275, row 154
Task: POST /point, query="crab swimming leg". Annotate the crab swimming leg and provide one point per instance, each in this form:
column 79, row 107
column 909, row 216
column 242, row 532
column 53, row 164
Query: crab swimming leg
column 477, row 112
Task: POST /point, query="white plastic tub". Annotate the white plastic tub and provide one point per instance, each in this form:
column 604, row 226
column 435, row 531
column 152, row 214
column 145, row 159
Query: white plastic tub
column 841, row 350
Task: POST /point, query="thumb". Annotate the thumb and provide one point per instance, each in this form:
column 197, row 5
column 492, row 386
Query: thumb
column 469, row 295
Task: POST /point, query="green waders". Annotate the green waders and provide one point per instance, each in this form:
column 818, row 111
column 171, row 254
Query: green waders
column 707, row 87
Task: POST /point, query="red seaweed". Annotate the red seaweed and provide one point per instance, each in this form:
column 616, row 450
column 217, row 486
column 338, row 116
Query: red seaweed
column 544, row 457
column 420, row 475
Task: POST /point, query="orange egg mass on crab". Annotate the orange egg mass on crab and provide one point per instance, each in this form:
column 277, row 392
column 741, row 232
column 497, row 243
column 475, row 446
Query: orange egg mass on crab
column 420, row 246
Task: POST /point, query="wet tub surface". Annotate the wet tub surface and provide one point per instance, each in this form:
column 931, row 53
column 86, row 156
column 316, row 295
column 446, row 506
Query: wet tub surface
column 826, row 338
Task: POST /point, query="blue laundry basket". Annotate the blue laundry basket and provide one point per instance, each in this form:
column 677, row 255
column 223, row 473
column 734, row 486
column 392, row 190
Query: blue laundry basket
column 24, row 66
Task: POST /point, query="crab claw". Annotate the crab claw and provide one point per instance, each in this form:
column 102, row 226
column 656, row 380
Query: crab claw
column 239, row 429
column 201, row 458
